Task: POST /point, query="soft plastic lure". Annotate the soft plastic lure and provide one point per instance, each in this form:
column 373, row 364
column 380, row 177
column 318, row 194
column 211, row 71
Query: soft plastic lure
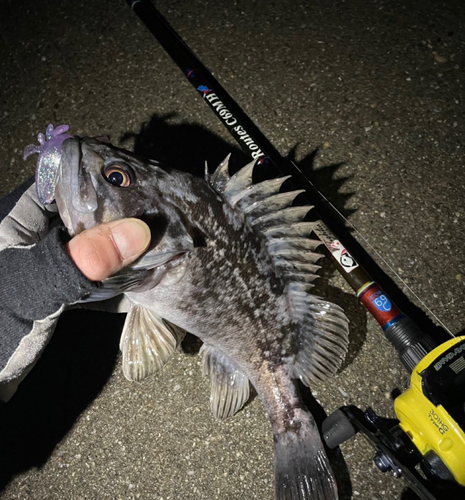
column 48, row 163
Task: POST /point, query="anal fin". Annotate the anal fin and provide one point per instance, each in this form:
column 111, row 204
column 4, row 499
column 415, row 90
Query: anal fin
column 229, row 386
column 147, row 343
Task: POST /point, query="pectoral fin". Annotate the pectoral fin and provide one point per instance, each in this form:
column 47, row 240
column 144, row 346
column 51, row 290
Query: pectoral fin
column 147, row 343
column 125, row 281
column 229, row 386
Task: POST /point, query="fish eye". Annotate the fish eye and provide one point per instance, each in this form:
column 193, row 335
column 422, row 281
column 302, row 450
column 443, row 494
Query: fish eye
column 118, row 174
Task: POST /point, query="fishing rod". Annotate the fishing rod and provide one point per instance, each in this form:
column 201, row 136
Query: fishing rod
column 416, row 349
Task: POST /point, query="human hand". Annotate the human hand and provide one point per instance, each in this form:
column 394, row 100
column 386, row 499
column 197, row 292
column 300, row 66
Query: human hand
column 103, row 250
column 40, row 276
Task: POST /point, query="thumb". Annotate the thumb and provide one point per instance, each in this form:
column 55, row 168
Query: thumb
column 103, row 250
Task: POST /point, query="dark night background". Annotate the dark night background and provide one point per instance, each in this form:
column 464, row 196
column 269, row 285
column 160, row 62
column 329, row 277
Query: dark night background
column 368, row 97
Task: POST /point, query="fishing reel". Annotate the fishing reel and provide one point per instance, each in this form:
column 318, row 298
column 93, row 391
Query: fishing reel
column 427, row 445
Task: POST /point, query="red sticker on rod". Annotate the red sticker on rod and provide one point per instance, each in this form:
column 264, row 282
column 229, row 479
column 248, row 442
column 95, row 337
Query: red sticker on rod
column 378, row 304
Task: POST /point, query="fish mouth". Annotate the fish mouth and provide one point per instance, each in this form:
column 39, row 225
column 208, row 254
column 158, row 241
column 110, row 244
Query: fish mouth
column 73, row 172
column 75, row 193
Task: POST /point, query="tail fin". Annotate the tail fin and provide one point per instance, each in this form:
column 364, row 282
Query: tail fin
column 302, row 470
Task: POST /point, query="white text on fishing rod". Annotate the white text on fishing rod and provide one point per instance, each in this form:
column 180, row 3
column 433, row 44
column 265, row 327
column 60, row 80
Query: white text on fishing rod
column 244, row 136
column 230, row 121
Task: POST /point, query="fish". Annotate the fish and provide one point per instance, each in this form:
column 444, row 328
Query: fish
column 232, row 262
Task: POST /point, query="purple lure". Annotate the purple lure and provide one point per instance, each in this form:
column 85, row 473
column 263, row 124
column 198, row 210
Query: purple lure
column 48, row 163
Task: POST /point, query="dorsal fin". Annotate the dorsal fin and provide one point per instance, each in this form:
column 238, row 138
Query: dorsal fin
column 277, row 244
column 258, row 192
column 220, row 176
column 271, row 215
column 294, row 255
column 240, row 181
column 303, row 229
column 272, row 203
column 288, row 216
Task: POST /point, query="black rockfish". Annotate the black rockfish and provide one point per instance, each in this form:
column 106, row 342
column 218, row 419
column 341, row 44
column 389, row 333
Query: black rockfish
column 232, row 263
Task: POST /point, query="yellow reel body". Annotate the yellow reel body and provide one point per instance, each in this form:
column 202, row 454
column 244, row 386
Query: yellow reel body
column 432, row 410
